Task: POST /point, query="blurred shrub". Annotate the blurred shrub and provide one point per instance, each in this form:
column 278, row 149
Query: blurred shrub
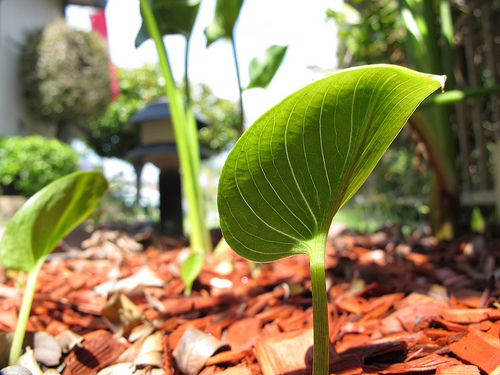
column 109, row 135
column 27, row 164
column 64, row 74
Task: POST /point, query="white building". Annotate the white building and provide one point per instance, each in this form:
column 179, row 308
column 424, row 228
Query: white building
column 16, row 18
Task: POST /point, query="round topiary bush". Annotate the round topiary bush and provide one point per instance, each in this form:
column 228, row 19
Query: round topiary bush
column 27, row 164
column 65, row 74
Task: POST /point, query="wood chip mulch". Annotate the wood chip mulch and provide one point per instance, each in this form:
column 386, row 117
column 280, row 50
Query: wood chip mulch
column 397, row 305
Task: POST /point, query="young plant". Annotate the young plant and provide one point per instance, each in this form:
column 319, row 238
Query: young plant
column 303, row 159
column 36, row 229
column 184, row 124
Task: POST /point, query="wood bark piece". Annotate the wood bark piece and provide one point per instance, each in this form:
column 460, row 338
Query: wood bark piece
column 237, row 370
column 242, row 333
column 412, row 309
column 287, row 352
column 458, row 370
column 480, row 349
column 99, row 349
column 468, row 316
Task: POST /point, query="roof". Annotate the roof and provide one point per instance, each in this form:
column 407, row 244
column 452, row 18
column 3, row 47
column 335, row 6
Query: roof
column 159, row 110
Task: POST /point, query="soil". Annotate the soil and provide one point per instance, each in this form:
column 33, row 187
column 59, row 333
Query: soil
column 398, row 305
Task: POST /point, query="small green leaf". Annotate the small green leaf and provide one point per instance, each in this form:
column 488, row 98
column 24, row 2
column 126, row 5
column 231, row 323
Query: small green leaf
column 47, row 217
column 172, row 16
column 263, row 70
column 190, row 269
column 226, row 15
column 303, row 159
column 477, row 221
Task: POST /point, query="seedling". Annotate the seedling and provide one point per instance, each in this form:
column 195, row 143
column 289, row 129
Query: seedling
column 36, row 229
column 302, row 160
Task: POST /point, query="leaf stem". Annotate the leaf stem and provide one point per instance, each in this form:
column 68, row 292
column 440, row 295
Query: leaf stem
column 180, row 123
column 320, row 306
column 24, row 313
column 241, row 128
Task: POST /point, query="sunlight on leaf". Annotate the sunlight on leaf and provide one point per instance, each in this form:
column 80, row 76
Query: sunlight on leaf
column 47, row 217
column 226, row 14
column 262, row 70
column 302, row 160
column 173, row 17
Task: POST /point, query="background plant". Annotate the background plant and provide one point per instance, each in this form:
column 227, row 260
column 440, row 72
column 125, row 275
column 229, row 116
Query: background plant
column 262, row 70
column 423, row 34
column 184, row 125
column 27, row 164
column 35, row 230
column 64, row 75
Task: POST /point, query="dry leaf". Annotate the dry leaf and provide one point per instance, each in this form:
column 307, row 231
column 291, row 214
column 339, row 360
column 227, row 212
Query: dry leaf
column 121, row 314
column 15, row 370
column 151, row 353
column 127, row 368
column 130, row 285
column 46, row 349
column 68, row 340
column 194, row 348
column 28, row 360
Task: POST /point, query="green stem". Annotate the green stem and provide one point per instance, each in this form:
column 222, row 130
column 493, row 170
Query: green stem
column 180, row 124
column 240, row 88
column 320, row 307
column 24, row 313
column 195, row 156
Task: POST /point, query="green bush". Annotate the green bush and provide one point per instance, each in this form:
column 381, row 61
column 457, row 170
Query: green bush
column 64, row 74
column 27, row 164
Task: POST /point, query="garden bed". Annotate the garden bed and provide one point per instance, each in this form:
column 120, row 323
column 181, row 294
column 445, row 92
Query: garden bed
column 397, row 306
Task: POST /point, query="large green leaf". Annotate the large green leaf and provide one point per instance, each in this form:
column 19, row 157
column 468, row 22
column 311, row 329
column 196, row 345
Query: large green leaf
column 226, row 15
column 47, row 217
column 303, row 159
column 172, row 16
column 263, row 70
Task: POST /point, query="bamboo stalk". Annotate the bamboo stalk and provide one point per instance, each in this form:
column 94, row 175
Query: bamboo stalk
column 477, row 109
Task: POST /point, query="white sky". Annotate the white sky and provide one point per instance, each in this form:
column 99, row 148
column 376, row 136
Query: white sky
column 311, row 37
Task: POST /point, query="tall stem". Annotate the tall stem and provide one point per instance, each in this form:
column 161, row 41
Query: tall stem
column 179, row 121
column 24, row 313
column 240, row 88
column 320, row 307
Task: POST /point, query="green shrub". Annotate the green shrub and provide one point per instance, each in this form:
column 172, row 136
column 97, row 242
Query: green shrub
column 27, row 164
column 64, row 74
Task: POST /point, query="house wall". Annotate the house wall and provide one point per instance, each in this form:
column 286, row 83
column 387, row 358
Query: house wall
column 16, row 18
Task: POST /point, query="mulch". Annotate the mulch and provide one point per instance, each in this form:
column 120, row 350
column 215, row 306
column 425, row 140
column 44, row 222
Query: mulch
column 398, row 305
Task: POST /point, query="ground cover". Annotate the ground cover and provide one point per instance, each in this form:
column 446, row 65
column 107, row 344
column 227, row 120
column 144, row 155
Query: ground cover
column 396, row 304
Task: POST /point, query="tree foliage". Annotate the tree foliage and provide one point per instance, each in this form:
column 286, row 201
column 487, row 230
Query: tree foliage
column 371, row 32
column 64, row 74
column 111, row 136
column 27, row 164
column 223, row 118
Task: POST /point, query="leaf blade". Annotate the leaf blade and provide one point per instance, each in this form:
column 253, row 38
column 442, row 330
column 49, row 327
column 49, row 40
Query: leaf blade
column 49, row 216
column 303, row 159
column 262, row 70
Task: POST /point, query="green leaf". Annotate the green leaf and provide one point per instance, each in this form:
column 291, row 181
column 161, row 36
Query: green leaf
column 47, row 217
column 172, row 16
column 226, row 15
column 477, row 221
column 303, row 159
column 191, row 268
column 263, row 70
